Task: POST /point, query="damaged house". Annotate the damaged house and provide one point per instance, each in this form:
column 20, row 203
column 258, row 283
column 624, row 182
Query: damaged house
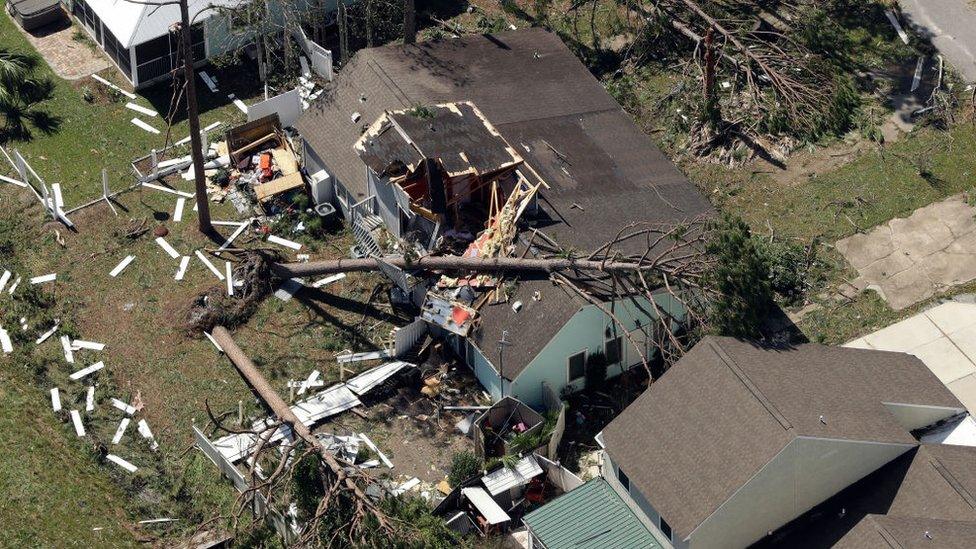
column 466, row 147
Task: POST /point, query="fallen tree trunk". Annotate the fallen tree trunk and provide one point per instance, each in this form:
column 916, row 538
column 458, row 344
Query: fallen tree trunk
column 457, row 263
column 256, row 380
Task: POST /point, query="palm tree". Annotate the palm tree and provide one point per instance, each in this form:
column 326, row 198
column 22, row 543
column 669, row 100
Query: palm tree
column 21, row 92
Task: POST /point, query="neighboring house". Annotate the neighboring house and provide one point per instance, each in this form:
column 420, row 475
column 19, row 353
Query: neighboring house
column 547, row 119
column 136, row 36
column 737, row 440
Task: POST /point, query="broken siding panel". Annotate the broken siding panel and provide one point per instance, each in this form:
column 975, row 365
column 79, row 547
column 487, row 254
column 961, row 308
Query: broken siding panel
column 374, row 376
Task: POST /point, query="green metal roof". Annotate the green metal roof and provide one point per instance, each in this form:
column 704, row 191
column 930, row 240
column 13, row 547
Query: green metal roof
column 590, row 517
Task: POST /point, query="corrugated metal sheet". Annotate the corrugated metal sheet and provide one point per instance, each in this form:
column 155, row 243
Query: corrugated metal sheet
column 590, row 517
column 374, row 376
column 503, row 479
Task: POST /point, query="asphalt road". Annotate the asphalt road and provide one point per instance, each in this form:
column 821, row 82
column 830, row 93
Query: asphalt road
column 951, row 25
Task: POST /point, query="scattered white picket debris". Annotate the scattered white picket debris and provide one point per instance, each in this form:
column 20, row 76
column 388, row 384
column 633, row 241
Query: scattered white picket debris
column 178, row 210
column 5, row 343
column 90, row 399
column 299, row 384
column 373, row 447
column 158, row 521
column 47, row 334
column 356, row 357
column 130, row 95
column 186, row 139
column 122, row 463
column 208, row 81
column 406, row 486
column 167, row 248
column 309, row 381
column 121, row 266
column 167, row 190
column 214, row 341
column 56, row 399
column 4, row 278
column 328, row 280
column 917, row 78
column 284, row 242
column 123, row 406
column 121, row 430
column 44, row 278
column 58, row 197
column 69, row 355
column 174, row 161
column 87, row 371
column 140, row 109
column 90, row 345
column 184, row 263
column 240, row 229
column 209, row 265
column 894, row 23
column 240, row 105
column 147, row 434
column 230, row 278
column 76, row 420
column 144, row 126
column 288, row 289
column 13, row 287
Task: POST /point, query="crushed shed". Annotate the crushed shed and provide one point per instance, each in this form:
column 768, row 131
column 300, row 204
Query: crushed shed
column 505, row 479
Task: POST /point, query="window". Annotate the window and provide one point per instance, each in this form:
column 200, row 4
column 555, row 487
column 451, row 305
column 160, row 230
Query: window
column 666, row 529
column 624, row 480
column 614, row 350
column 577, row 366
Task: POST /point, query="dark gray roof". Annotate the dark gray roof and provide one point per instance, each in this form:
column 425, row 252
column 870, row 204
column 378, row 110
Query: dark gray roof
column 887, row 532
column 932, row 484
column 602, row 170
column 728, row 397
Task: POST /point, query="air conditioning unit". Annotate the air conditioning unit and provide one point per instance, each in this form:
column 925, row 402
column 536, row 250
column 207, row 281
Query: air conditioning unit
column 321, row 186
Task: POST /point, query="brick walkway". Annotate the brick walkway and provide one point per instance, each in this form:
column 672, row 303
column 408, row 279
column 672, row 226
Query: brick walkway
column 69, row 58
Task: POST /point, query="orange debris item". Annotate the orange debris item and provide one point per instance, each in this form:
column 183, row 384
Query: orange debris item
column 265, row 161
column 459, row 315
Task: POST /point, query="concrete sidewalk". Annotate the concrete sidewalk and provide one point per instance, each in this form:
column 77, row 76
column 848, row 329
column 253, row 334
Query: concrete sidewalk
column 950, row 25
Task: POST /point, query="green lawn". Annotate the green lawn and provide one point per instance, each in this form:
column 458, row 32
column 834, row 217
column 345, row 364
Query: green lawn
column 100, row 135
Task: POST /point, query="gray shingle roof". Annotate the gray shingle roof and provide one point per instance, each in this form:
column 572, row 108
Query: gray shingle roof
column 734, row 398
column 590, row 517
column 603, row 171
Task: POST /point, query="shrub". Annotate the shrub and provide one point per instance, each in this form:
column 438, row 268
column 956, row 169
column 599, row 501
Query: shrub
column 464, row 465
column 740, row 279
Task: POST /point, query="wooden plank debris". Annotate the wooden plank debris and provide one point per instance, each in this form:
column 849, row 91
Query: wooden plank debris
column 240, row 229
column 76, row 420
column 186, row 139
column 13, row 287
column 69, row 355
column 139, row 123
column 167, row 190
column 178, row 210
column 120, row 431
column 208, row 81
column 158, row 521
column 122, row 463
column 87, row 371
column 44, row 278
column 147, row 434
column 373, row 447
column 214, row 342
column 288, row 289
column 56, row 399
column 121, row 266
column 284, row 242
column 312, row 377
column 4, row 278
column 328, row 280
column 181, row 271
column 123, row 406
column 917, row 78
column 230, row 278
column 90, row 399
column 209, row 265
column 167, row 248
column 130, row 95
column 364, row 382
column 140, row 109
column 240, row 105
column 5, row 344
column 44, row 337
column 894, row 23
column 90, row 345
column 357, row 357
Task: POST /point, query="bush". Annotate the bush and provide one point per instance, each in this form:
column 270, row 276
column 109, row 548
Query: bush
column 740, row 278
column 788, row 265
column 464, row 465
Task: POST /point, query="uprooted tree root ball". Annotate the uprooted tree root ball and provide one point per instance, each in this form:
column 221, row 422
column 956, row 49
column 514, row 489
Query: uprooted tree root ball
column 214, row 307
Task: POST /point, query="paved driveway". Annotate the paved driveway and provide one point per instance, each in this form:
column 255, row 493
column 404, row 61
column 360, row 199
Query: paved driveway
column 951, row 25
column 944, row 338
